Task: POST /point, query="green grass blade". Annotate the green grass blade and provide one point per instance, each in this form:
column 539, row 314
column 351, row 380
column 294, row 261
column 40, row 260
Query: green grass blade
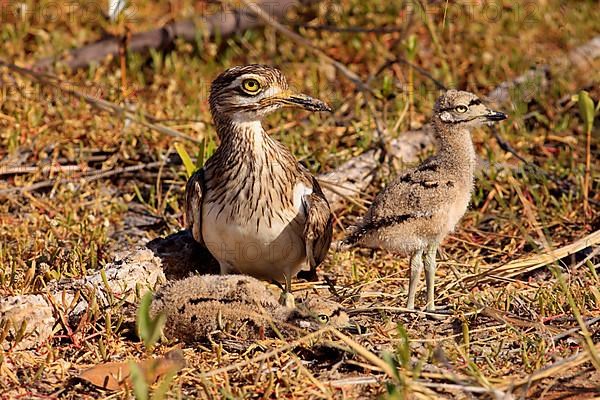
column 190, row 167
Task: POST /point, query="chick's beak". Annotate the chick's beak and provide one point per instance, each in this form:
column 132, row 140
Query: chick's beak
column 495, row 115
column 306, row 102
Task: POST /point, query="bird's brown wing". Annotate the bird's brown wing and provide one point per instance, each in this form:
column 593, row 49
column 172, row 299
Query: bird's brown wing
column 318, row 228
column 193, row 205
column 418, row 191
column 416, row 194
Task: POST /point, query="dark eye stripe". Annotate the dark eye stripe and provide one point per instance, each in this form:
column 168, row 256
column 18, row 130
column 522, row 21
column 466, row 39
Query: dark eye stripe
column 458, row 121
column 244, row 93
column 475, row 102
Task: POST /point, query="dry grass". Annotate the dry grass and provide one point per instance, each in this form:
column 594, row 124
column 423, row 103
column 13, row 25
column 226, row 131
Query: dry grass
column 506, row 326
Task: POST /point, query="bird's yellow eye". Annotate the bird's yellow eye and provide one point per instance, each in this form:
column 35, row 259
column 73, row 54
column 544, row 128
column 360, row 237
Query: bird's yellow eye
column 323, row 318
column 251, row 85
column 461, row 108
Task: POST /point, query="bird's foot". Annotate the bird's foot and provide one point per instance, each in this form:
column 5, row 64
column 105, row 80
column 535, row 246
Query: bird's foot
column 438, row 312
column 287, row 299
column 309, row 276
column 436, row 308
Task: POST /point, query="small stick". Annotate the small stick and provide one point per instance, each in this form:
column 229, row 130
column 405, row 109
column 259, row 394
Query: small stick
column 353, row 29
column 123, row 63
column 88, row 178
column 569, row 332
column 586, row 176
column 420, row 70
column 51, row 169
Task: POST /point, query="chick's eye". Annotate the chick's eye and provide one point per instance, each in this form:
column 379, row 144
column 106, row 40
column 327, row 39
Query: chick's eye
column 461, row 108
column 251, row 85
column 323, row 318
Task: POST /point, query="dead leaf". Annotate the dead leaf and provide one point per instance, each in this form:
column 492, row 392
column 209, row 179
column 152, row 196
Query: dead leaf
column 116, row 375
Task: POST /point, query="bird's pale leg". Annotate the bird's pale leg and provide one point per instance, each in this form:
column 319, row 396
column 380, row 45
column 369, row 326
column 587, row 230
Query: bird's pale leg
column 430, row 266
column 226, row 269
column 416, row 265
column 287, row 298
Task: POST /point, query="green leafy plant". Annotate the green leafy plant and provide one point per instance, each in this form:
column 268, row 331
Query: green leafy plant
column 149, row 328
column 139, row 384
column 141, row 387
column 207, row 147
column 400, row 361
column 587, row 110
column 190, row 167
column 588, row 113
column 403, row 348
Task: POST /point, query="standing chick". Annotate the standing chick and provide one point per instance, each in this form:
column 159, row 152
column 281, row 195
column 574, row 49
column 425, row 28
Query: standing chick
column 257, row 210
column 421, row 206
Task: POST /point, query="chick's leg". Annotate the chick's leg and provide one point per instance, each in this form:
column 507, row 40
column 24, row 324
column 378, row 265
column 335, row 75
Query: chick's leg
column 416, row 265
column 287, row 298
column 430, row 266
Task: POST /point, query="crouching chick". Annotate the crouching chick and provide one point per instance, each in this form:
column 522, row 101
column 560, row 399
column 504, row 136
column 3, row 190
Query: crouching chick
column 208, row 306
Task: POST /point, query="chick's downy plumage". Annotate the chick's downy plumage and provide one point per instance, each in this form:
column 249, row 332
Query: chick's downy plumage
column 206, row 306
column 414, row 213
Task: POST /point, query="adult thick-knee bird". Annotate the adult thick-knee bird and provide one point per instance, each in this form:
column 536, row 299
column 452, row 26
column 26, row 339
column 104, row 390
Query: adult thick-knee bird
column 255, row 208
column 421, row 206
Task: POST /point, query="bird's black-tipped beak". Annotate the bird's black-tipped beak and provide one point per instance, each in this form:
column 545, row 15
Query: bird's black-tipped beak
column 307, row 102
column 495, row 116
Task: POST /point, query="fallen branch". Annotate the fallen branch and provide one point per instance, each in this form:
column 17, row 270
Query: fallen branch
column 225, row 24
